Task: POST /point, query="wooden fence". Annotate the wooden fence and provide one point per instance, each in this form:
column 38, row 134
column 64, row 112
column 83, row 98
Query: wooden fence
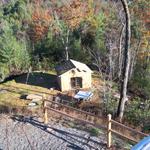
column 110, row 125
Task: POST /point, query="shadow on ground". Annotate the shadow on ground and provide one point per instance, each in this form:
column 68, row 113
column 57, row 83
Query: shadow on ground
column 61, row 134
column 40, row 79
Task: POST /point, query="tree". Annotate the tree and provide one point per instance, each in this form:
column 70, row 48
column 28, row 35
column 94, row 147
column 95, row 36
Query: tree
column 68, row 17
column 125, row 75
column 140, row 80
column 40, row 22
column 14, row 57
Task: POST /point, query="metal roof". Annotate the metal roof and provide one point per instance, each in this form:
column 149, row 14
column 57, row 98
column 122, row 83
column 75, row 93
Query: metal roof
column 70, row 64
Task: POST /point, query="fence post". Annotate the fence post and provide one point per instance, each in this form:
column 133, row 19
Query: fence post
column 45, row 111
column 109, row 138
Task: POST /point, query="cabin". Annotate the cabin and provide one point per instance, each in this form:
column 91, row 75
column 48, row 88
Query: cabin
column 72, row 75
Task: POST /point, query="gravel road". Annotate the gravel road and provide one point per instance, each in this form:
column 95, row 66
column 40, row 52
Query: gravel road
column 30, row 134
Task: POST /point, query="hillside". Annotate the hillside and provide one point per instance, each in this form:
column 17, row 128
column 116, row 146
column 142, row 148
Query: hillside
column 85, row 58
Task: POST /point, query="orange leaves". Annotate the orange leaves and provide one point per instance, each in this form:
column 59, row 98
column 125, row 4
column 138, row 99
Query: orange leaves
column 142, row 11
column 146, row 17
column 39, row 25
column 41, row 16
column 72, row 14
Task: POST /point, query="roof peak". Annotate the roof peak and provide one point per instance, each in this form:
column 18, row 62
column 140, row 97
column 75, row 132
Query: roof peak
column 80, row 65
column 70, row 64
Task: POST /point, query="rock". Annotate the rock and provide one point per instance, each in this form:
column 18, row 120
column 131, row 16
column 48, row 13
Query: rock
column 57, row 99
column 36, row 100
column 49, row 129
column 52, row 88
column 2, row 91
column 23, row 96
column 32, row 104
column 34, row 97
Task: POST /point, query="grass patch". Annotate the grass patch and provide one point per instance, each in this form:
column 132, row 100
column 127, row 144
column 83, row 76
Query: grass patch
column 95, row 131
column 11, row 99
column 12, row 91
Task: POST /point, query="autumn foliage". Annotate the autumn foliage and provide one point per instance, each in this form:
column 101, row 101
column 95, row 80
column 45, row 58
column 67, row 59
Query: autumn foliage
column 40, row 23
column 72, row 13
column 144, row 16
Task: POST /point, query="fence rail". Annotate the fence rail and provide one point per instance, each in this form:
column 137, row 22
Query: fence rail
column 99, row 122
column 133, row 130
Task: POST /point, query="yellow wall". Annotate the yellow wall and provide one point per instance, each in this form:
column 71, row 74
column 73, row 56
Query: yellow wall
column 65, row 79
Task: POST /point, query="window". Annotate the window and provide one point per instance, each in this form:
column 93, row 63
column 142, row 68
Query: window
column 84, row 71
column 76, row 82
column 78, row 70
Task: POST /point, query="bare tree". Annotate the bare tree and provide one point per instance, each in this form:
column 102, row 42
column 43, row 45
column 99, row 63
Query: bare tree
column 126, row 63
column 123, row 55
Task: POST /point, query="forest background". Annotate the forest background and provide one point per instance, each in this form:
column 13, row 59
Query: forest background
column 39, row 34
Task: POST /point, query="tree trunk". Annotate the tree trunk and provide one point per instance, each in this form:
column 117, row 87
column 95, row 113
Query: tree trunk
column 125, row 73
column 66, row 48
column 133, row 59
column 66, row 53
column 120, row 52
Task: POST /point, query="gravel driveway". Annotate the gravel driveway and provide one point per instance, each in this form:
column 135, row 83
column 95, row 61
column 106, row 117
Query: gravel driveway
column 29, row 134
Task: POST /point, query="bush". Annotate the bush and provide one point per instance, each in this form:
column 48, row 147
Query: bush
column 141, row 79
column 94, row 132
column 138, row 113
column 110, row 106
column 4, row 71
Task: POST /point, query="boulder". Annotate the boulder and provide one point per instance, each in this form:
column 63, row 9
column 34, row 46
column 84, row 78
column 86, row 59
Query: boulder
column 36, row 100
column 34, row 97
column 32, row 104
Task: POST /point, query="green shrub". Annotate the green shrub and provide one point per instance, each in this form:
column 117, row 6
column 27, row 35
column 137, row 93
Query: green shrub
column 141, row 79
column 138, row 113
column 110, row 107
column 94, row 131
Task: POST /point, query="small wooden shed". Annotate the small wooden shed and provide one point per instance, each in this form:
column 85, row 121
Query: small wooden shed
column 72, row 74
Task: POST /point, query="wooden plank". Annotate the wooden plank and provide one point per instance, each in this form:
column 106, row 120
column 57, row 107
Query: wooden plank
column 80, row 111
column 124, row 136
column 109, row 138
column 81, row 120
column 45, row 112
column 130, row 129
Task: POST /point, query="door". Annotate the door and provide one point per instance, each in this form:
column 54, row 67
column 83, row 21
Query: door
column 76, row 82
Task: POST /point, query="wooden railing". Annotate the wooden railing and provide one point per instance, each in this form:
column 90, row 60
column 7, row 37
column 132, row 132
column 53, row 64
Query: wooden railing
column 108, row 124
column 125, row 131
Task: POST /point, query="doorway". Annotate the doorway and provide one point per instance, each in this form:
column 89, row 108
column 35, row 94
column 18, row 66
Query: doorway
column 76, row 82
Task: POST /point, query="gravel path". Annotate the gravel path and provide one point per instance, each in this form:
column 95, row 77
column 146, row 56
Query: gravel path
column 29, row 134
